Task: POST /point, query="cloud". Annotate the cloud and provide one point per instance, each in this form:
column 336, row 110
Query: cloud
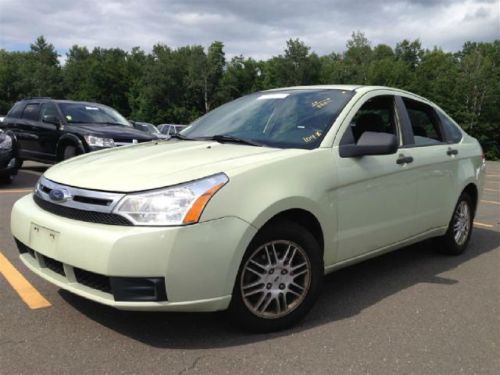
column 257, row 28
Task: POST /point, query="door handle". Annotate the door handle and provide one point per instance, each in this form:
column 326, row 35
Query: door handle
column 404, row 159
column 452, row 151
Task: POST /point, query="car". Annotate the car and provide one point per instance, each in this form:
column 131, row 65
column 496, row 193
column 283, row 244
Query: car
column 249, row 207
column 8, row 163
column 48, row 130
column 171, row 129
column 149, row 129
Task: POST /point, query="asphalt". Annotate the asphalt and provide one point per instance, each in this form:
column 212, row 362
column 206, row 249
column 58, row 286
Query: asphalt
column 412, row 311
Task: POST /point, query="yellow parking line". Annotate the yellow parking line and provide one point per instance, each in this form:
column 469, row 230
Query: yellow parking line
column 24, row 289
column 492, row 190
column 15, row 191
column 491, row 202
column 493, row 175
column 483, row 224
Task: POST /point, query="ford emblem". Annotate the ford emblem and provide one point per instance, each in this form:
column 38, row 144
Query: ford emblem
column 59, row 195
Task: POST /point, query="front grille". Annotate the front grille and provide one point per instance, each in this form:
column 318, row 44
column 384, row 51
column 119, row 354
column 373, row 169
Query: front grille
column 53, row 265
column 82, row 215
column 93, row 280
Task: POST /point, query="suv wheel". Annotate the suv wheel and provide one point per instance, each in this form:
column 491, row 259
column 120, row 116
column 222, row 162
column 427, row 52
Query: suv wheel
column 70, row 151
column 6, row 179
column 279, row 278
column 457, row 236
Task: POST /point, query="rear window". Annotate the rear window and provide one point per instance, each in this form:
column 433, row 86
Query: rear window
column 16, row 110
column 424, row 123
column 32, row 112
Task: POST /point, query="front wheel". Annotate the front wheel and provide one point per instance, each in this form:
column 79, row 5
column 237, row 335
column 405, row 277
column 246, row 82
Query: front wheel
column 279, row 278
column 70, row 151
column 457, row 236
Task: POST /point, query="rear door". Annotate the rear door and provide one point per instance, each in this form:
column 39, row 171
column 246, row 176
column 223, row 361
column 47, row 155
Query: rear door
column 375, row 200
column 435, row 161
column 48, row 133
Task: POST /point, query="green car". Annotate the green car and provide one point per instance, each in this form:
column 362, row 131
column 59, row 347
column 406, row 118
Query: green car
column 249, row 207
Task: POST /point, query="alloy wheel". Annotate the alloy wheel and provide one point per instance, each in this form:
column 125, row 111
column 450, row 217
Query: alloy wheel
column 275, row 279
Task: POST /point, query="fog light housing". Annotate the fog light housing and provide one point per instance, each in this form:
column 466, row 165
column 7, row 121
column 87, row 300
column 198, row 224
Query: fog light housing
column 138, row 289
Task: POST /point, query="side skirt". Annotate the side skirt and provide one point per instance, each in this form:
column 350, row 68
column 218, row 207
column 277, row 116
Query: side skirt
column 386, row 249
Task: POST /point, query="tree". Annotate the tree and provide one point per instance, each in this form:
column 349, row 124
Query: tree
column 46, row 77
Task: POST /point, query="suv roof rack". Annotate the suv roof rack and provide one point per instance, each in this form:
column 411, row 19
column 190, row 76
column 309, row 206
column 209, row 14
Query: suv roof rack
column 36, row 97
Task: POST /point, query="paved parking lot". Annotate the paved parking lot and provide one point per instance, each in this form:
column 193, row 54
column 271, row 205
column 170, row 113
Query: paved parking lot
column 412, row 311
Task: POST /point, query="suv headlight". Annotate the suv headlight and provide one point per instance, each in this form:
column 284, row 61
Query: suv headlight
column 5, row 142
column 176, row 205
column 99, row 142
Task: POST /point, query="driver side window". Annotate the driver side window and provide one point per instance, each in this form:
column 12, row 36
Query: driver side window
column 376, row 115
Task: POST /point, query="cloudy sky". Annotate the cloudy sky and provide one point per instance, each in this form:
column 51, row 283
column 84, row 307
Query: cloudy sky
column 257, row 28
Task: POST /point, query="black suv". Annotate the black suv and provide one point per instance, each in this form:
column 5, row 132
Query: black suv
column 49, row 130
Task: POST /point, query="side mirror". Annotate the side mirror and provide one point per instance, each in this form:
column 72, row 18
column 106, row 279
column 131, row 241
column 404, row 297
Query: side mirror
column 51, row 119
column 371, row 143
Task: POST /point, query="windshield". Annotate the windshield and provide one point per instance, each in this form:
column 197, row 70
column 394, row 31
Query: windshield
column 287, row 118
column 87, row 113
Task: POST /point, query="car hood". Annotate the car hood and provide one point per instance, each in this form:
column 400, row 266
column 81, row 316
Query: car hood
column 116, row 132
column 158, row 164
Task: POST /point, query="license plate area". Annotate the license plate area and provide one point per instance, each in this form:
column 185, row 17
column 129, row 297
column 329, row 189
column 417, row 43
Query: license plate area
column 42, row 239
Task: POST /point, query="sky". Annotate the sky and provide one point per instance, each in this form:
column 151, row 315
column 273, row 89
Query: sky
column 256, row 28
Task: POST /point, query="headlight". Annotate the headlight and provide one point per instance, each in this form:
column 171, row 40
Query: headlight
column 176, row 205
column 99, row 142
column 5, row 142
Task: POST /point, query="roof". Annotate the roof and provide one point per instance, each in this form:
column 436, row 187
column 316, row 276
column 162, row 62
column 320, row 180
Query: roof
column 357, row 88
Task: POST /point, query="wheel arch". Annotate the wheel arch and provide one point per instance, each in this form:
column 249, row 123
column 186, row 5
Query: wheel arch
column 68, row 140
column 305, row 219
column 472, row 190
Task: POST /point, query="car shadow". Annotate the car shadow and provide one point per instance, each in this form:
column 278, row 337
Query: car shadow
column 345, row 294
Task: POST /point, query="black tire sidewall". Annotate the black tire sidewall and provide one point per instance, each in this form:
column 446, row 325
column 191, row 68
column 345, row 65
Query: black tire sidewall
column 279, row 230
column 69, row 152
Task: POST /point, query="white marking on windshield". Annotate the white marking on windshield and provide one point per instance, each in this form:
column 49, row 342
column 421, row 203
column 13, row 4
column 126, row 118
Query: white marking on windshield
column 272, row 96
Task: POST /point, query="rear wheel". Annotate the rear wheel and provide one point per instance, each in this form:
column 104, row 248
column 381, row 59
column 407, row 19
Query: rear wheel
column 457, row 236
column 6, row 179
column 279, row 278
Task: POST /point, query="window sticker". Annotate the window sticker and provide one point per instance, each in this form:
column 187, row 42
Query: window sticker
column 313, row 137
column 321, row 103
column 69, row 118
column 91, row 108
column 272, row 96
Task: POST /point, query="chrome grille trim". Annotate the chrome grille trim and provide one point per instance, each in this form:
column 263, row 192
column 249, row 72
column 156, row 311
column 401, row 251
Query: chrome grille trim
column 108, row 200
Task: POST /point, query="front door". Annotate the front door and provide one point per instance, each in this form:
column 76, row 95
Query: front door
column 376, row 198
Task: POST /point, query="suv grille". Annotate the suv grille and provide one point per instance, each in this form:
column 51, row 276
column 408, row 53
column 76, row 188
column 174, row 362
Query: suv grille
column 82, row 215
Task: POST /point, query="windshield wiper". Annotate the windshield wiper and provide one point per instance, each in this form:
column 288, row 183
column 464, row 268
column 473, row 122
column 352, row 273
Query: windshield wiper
column 180, row 136
column 221, row 138
column 112, row 123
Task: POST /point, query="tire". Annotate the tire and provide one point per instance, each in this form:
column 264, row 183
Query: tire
column 69, row 152
column 6, row 179
column 457, row 237
column 267, row 298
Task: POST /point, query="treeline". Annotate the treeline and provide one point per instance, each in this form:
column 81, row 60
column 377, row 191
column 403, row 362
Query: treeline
column 179, row 84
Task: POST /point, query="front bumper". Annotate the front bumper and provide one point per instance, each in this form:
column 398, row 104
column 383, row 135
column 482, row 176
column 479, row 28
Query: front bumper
column 199, row 262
